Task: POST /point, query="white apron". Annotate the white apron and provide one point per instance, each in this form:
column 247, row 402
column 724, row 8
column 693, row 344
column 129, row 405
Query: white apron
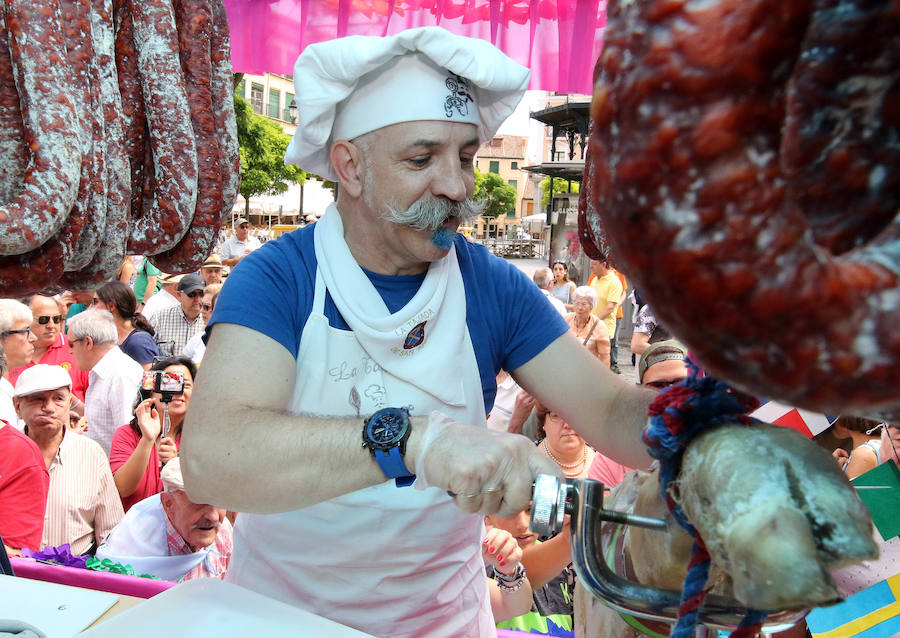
column 385, row 560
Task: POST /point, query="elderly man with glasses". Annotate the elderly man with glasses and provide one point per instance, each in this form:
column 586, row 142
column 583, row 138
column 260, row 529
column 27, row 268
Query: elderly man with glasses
column 51, row 346
column 114, row 376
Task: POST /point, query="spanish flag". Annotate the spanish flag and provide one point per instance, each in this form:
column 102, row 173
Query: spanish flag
column 872, row 613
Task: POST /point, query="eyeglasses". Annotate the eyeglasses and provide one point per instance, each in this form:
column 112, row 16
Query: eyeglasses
column 22, row 331
column 45, row 319
column 559, row 261
column 206, row 306
column 196, row 294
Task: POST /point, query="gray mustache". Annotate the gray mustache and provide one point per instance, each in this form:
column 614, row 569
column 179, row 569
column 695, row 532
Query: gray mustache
column 429, row 213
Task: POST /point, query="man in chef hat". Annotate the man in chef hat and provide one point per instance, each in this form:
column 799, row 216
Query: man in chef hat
column 361, row 354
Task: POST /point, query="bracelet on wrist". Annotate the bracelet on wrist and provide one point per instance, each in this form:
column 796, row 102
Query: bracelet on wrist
column 508, row 583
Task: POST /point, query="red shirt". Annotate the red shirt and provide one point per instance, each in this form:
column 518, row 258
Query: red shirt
column 125, row 441
column 24, row 482
column 58, row 354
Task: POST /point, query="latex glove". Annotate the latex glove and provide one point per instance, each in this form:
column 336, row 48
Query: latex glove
column 486, row 471
column 500, row 550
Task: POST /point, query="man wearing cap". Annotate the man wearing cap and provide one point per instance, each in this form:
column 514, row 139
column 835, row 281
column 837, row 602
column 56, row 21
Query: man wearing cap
column 169, row 536
column 175, row 326
column 165, row 298
column 114, row 376
column 361, row 353
column 211, row 270
column 82, row 503
column 240, row 244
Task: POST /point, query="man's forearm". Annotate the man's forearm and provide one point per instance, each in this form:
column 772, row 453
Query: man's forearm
column 610, row 307
column 265, row 461
column 150, row 289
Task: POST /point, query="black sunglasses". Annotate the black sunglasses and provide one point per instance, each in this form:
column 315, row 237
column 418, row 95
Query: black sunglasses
column 45, row 319
column 22, row 331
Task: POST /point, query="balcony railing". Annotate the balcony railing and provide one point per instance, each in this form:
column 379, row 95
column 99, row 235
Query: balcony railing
column 257, row 105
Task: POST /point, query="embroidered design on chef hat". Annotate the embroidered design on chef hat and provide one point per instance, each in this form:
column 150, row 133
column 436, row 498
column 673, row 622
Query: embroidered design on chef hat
column 459, row 97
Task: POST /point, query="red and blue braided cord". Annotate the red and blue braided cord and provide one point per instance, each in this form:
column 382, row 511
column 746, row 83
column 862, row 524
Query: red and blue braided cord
column 677, row 415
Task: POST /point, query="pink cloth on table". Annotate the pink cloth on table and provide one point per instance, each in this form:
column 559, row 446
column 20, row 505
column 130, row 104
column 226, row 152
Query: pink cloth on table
column 89, row 579
column 559, row 41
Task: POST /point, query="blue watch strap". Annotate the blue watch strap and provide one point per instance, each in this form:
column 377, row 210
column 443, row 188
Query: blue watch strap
column 393, row 466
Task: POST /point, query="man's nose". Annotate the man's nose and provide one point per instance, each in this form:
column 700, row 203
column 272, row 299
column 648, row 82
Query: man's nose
column 451, row 182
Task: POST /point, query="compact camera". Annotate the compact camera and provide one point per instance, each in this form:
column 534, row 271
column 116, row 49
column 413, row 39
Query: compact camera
column 168, row 384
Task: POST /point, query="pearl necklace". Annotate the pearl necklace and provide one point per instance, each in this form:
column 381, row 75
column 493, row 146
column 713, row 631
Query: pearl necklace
column 565, row 466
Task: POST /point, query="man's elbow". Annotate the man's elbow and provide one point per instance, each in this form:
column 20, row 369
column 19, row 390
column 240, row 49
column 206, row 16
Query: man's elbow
column 199, row 481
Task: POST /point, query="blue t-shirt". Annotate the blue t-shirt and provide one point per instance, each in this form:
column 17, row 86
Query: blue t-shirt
column 509, row 319
column 140, row 346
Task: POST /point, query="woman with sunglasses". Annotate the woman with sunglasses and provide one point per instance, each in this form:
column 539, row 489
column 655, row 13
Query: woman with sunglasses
column 135, row 332
column 139, row 449
column 563, row 288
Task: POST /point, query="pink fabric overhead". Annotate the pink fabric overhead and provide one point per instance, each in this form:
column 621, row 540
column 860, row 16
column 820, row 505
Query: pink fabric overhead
column 559, row 40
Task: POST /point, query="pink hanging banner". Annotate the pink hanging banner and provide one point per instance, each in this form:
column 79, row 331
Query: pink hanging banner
column 559, row 40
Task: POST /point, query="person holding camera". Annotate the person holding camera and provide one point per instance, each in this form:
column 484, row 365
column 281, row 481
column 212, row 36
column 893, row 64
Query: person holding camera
column 142, row 447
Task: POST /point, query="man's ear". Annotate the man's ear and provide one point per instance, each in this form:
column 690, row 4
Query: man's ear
column 167, row 501
column 349, row 164
column 16, row 406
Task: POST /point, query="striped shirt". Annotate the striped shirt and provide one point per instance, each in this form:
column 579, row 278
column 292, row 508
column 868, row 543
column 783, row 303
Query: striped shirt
column 173, row 330
column 82, row 504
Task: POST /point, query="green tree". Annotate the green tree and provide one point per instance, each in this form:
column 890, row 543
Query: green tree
column 263, row 143
column 499, row 196
column 559, row 186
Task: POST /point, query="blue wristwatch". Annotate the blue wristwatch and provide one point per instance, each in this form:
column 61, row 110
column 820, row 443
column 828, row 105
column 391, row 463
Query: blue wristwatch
column 385, row 434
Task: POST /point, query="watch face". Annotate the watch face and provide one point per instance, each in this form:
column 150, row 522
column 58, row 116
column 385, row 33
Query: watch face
column 387, row 428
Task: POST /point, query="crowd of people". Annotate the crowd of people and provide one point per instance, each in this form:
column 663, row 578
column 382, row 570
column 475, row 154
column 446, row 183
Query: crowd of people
column 90, row 450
